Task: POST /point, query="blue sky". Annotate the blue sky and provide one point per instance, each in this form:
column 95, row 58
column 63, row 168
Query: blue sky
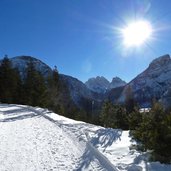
column 81, row 37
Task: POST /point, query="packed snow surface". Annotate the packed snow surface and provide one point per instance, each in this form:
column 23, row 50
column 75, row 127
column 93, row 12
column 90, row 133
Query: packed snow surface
column 35, row 139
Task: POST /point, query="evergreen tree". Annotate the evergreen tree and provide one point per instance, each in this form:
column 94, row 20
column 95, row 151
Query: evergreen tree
column 107, row 112
column 114, row 116
column 53, row 90
column 18, row 87
column 35, row 89
column 81, row 116
column 120, row 117
column 134, row 119
column 9, row 82
column 154, row 133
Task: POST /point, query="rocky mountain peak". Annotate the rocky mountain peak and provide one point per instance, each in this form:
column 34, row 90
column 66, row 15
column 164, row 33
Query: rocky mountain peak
column 160, row 61
column 151, row 83
column 100, row 84
column 116, row 82
column 99, row 79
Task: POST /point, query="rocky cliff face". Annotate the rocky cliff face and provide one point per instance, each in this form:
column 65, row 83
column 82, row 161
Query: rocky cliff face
column 152, row 83
column 116, row 82
column 98, row 84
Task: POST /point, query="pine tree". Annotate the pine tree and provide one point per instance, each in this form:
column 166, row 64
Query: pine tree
column 120, row 117
column 35, row 89
column 154, row 133
column 134, row 119
column 9, row 82
column 53, row 90
column 114, row 116
column 107, row 112
column 18, row 87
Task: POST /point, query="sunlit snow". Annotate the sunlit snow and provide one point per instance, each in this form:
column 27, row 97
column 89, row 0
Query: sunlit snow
column 38, row 139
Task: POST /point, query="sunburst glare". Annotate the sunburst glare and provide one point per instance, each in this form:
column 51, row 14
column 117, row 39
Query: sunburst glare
column 137, row 33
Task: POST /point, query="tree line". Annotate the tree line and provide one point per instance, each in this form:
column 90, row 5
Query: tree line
column 34, row 89
column 152, row 131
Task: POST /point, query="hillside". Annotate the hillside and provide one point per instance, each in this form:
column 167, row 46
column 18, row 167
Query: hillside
column 151, row 84
column 37, row 139
column 77, row 90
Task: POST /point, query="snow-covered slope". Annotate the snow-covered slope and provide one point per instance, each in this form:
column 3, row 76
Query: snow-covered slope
column 37, row 139
column 21, row 63
column 153, row 82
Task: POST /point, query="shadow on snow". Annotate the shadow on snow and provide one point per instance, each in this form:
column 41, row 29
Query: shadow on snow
column 106, row 137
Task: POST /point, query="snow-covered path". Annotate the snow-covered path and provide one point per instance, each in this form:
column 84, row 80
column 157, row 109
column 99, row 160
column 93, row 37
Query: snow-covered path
column 35, row 143
column 30, row 141
column 35, row 139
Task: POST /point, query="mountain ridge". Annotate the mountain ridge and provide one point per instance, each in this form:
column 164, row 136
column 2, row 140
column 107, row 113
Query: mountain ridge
column 100, row 84
column 152, row 83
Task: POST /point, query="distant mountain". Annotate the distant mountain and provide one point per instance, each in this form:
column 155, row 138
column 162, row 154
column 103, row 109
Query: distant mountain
column 102, row 85
column 153, row 83
column 98, row 84
column 77, row 90
column 116, row 82
column 21, row 62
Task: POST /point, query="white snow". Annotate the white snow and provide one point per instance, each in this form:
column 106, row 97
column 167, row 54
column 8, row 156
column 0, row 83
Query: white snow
column 38, row 139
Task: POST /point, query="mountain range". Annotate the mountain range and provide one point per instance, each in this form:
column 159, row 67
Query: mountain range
column 102, row 85
column 153, row 83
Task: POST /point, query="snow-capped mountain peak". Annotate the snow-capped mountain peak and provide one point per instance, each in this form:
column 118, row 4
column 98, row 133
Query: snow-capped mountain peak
column 98, row 84
column 101, row 84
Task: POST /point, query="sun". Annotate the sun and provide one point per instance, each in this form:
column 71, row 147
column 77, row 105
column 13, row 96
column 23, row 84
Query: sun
column 137, row 33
